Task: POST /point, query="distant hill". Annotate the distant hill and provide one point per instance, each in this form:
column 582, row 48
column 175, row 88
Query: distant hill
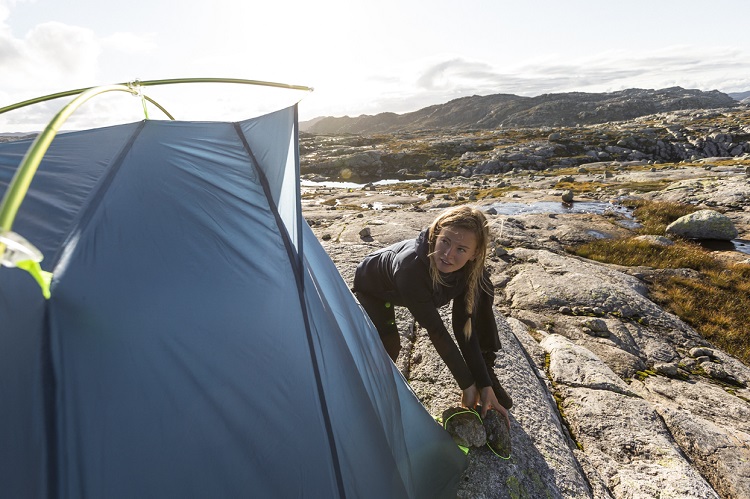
column 739, row 95
column 507, row 110
column 13, row 136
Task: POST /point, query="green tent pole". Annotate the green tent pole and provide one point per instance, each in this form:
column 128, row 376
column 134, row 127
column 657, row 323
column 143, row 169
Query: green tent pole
column 22, row 179
column 148, row 83
column 19, row 185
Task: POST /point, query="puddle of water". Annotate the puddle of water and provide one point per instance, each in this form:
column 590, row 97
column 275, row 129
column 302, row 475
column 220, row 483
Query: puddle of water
column 741, row 245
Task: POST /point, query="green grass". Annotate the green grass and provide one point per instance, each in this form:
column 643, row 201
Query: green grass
column 716, row 304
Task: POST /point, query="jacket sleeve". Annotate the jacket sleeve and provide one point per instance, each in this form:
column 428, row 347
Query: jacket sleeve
column 469, row 348
column 418, row 299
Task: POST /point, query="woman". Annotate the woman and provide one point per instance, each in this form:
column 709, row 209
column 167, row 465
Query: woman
column 446, row 262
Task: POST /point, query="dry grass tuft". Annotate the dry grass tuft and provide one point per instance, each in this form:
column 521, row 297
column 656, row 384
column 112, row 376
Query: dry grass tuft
column 717, row 305
column 656, row 215
column 634, row 253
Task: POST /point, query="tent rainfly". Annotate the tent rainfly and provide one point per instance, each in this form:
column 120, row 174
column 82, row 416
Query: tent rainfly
column 197, row 341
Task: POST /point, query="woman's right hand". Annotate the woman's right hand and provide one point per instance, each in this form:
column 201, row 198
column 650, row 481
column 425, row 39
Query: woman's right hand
column 470, row 397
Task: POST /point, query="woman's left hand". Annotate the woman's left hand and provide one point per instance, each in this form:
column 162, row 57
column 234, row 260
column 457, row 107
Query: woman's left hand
column 489, row 401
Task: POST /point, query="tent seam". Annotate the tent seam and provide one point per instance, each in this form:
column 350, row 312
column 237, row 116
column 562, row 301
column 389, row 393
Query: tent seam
column 297, row 268
column 80, row 223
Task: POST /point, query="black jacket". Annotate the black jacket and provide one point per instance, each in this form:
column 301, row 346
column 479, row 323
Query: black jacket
column 400, row 275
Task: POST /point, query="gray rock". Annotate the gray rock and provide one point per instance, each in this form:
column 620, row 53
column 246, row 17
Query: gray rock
column 710, row 425
column 624, row 439
column 575, row 366
column 701, row 352
column 595, row 325
column 465, row 427
column 666, row 369
column 550, row 281
column 703, row 224
column 623, row 363
column 688, row 363
column 655, row 240
column 498, row 433
column 715, row 371
column 567, row 196
column 500, row 251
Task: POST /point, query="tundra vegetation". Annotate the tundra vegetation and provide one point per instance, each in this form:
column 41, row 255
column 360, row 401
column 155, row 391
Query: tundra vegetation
column 715, row 300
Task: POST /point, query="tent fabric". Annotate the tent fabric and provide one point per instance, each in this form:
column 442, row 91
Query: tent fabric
column 198, row 341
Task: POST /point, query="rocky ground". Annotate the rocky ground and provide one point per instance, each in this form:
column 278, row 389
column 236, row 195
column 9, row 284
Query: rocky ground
column 614, row 396
column 687, row 135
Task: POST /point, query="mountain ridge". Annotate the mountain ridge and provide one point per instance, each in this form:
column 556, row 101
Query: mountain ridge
column 508, row 110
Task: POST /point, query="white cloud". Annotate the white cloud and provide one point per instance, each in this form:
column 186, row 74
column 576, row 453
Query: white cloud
column 62, row 51
column 53, row 57
column 358, row 57
column 54, row 52
column 130, row 43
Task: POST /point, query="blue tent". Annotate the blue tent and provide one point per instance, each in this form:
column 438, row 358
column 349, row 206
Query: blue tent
column 198, row 341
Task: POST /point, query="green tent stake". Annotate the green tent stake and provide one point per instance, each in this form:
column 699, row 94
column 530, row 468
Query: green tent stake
column 42, row 277
column 15, row 251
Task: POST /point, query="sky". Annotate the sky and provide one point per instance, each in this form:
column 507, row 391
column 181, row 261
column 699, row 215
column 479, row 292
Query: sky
column 359, row 57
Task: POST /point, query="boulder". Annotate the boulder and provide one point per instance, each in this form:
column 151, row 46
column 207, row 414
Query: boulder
column 703, row 224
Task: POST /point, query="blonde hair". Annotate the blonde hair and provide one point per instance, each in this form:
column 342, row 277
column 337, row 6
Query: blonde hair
column 474, row 221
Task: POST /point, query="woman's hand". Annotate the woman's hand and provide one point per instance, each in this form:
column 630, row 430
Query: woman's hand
column 489, row 401
column 470, row 397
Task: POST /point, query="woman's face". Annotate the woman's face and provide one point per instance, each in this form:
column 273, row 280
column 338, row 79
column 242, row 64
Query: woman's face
column 454, row 247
